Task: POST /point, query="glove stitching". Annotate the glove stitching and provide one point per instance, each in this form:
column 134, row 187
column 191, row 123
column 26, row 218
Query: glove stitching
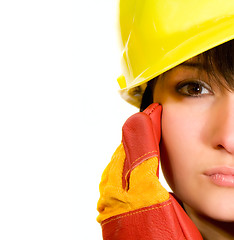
column 152, row 109
column 144, row 156
column 126, row 175
column 133, row 213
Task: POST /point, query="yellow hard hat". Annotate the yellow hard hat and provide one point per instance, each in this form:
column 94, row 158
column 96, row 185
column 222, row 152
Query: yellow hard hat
column 157, row 35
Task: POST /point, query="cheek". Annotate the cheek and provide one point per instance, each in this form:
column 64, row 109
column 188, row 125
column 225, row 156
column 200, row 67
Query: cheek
column 182, row 129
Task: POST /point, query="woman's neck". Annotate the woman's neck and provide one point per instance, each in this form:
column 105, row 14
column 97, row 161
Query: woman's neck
column 211, row 229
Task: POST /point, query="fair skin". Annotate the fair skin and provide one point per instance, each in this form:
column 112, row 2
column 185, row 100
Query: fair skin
column 197, row 149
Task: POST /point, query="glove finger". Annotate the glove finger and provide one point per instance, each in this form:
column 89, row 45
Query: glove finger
column 112, row 175
column 154, row 111
column 144, row 186
column 140, row 140
column 112, row 196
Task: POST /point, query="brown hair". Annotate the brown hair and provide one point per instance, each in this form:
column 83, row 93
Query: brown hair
column 219, row 59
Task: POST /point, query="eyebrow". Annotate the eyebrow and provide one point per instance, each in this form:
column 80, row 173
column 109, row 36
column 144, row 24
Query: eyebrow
column 197, row 65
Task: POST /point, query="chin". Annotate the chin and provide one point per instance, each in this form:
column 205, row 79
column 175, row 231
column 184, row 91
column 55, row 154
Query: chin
column 223, row 215
column 214, row 205
column 220, row 208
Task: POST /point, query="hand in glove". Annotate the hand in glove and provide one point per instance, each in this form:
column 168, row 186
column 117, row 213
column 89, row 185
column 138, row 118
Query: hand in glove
column 133, row 204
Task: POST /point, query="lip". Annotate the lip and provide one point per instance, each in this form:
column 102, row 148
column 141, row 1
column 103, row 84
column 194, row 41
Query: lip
column 221, row 176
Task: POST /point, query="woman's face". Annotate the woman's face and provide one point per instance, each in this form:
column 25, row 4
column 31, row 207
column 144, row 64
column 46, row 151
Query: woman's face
column 197, row 147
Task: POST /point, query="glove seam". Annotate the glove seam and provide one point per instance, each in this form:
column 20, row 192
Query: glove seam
column 133, row 213
column 153, row 109
column 144, row 156
column 139, row 162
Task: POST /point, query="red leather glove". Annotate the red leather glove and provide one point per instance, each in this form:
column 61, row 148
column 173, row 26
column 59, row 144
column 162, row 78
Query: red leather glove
column 133, row 204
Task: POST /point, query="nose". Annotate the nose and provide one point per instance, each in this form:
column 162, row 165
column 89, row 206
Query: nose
column 223, row 124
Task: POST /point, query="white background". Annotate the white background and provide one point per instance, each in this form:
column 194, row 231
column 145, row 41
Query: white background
column 60, row 115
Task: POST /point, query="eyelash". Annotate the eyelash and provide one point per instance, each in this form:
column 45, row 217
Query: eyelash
column 182, row 87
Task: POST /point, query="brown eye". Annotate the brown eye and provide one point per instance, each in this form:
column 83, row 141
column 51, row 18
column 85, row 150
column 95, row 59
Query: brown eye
column 193, row 88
